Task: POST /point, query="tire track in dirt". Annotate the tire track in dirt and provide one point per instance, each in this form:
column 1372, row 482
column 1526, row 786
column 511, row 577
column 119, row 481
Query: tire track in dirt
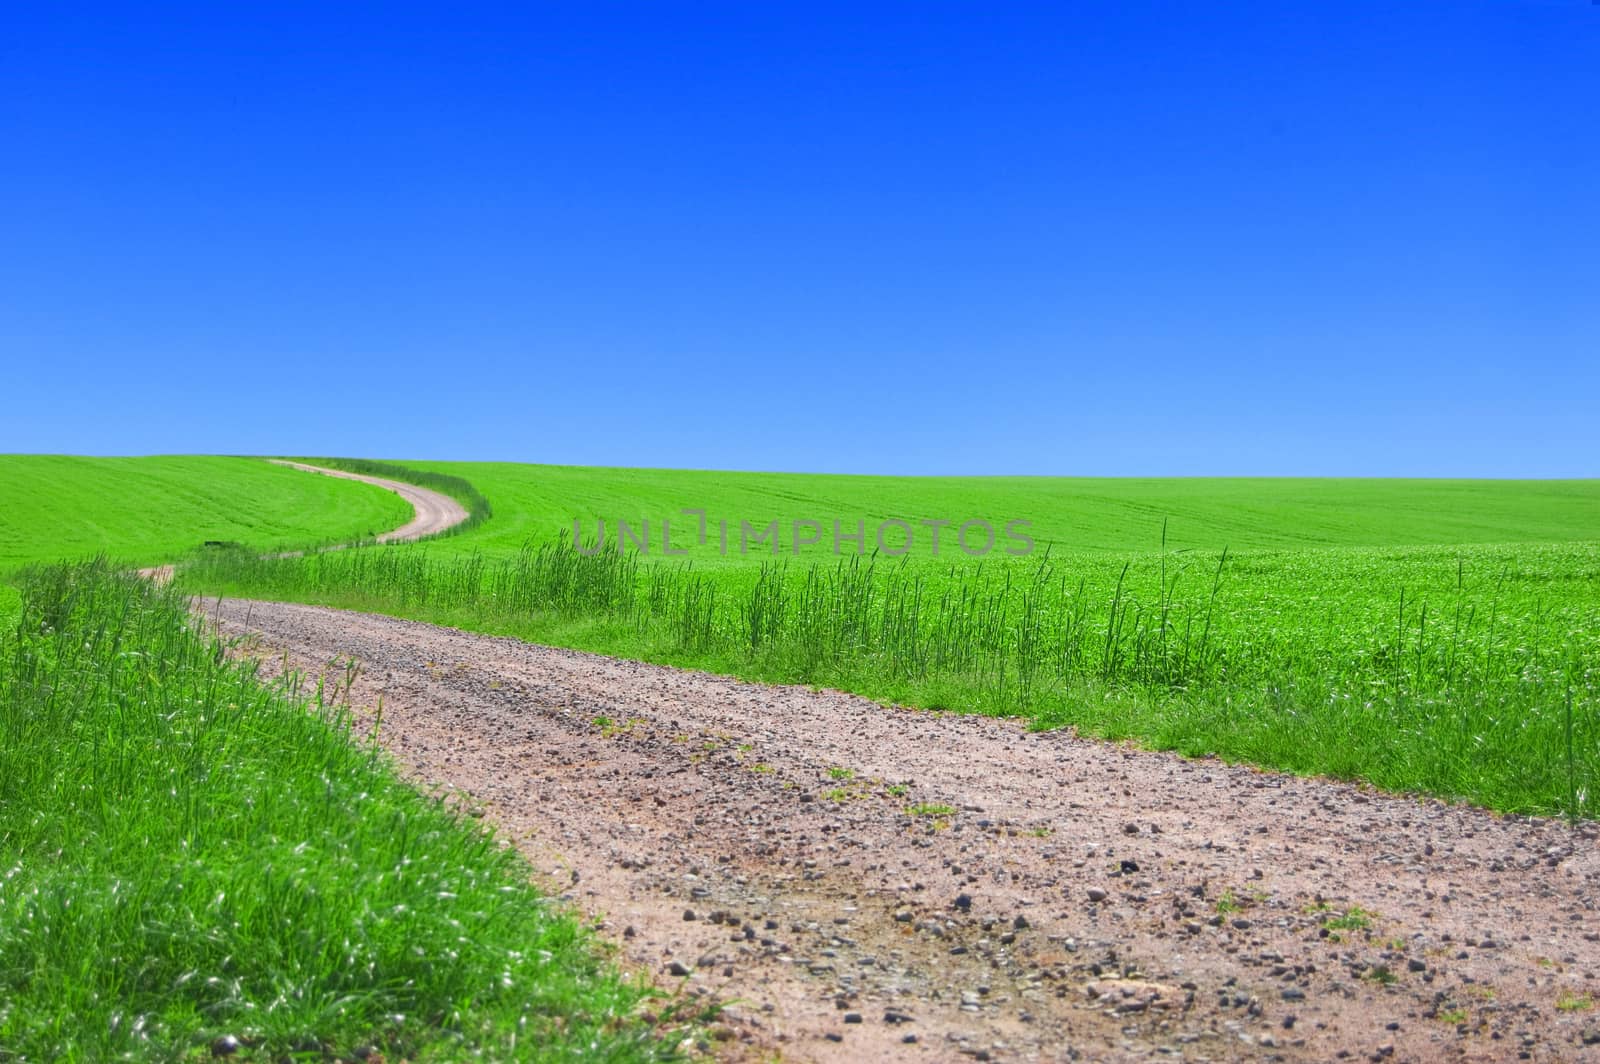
column 1080, row 901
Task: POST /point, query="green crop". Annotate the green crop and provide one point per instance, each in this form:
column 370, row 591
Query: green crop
column 1430, row 636
column 188, row 854
column 145, row 511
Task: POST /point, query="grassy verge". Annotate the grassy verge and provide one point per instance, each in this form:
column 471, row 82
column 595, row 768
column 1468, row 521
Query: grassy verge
column 187, row 855
column 1464, row 673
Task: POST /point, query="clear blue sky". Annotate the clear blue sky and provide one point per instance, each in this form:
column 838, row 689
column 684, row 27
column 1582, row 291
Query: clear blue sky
column 1100, row 238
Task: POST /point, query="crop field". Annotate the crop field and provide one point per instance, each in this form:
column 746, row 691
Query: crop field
column 1088, row 513
column 287, row 893
column 150, row 510
column 199, row 864
column 1438, row 637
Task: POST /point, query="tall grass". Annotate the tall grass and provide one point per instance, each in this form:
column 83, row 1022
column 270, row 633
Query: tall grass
column 187, row 854
column 1460, row 687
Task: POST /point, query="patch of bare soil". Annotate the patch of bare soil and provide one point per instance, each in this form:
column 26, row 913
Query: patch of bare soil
column 862, row 882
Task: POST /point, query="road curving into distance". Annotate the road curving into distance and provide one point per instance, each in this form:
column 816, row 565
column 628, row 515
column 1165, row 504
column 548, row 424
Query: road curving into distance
column 435, row 512
column 432, row 512
column 865, row 882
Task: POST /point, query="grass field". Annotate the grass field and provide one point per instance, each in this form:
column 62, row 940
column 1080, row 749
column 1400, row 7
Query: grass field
column 189, row 856
column 279, row 885
column 150, row 510
column 1074, row 513
column 1440, row 637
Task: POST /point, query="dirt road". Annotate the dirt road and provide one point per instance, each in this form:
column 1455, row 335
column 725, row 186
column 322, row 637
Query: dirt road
column 432, row 513
column 435, row 512
column 867, row 883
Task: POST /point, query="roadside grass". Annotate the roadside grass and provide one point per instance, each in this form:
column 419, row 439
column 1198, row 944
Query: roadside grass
column 1463, row 672
column 146, row 511
column 188, row 855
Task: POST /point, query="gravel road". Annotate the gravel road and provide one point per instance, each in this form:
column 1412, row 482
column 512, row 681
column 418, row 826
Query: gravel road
column 872, row 883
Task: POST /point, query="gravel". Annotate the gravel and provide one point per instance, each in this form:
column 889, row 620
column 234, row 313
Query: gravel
column 640, row 826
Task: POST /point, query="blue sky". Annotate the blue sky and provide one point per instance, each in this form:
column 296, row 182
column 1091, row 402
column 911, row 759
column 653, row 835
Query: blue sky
column 1097, row 238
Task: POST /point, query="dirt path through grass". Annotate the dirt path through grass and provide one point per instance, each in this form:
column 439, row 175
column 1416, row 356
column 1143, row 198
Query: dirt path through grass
column 432, row 512
column 872, row 883
column 435, row 512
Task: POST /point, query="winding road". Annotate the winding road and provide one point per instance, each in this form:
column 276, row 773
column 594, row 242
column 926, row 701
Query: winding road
column 862, row 882
column 434, row 512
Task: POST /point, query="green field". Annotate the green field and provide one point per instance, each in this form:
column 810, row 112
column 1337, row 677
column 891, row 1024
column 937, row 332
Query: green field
column 150, row 510
column 1440, row 637
column 190, row 855
column 1432, row 637
column 1074, row 513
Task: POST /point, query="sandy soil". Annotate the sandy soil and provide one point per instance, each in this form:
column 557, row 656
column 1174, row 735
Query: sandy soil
column 1081, row 901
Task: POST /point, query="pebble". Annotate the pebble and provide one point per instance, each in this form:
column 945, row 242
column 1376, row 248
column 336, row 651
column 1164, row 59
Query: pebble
column 1096, row 894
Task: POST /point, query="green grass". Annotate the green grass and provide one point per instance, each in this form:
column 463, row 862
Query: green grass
column 187, row 854
column 1467, row 672
column 1074, row 513
column 1431, row 636
column 146, row 511
column 1567, row 1001
column 1354, row 919
column 10, row 606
